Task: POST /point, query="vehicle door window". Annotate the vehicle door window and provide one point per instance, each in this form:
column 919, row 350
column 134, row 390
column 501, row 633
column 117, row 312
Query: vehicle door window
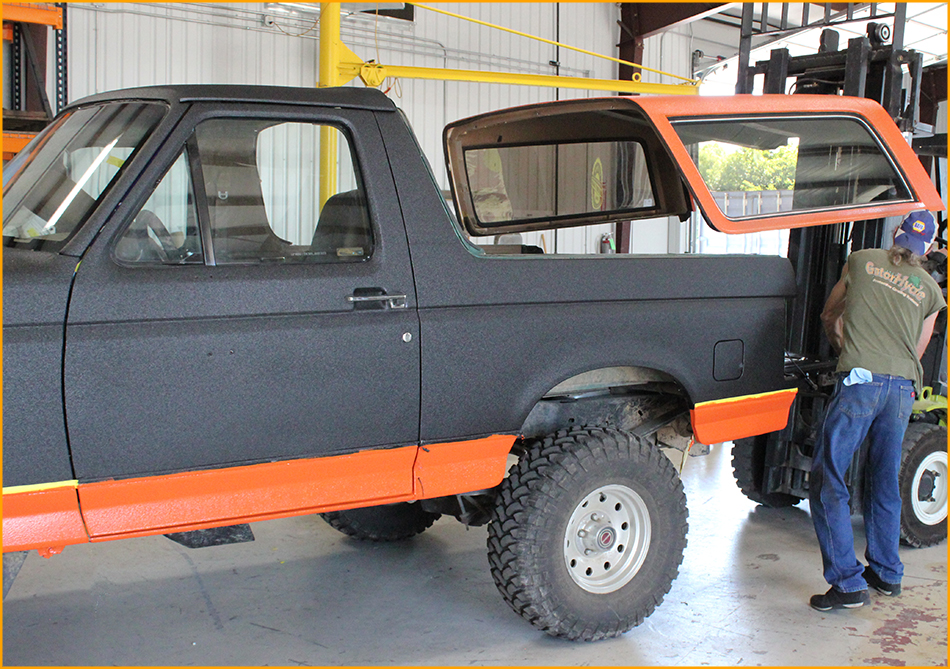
column 265, row 185
column 165, row 231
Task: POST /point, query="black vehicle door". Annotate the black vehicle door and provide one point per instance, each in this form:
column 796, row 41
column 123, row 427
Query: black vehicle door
column 35, row 289
column 51, row 190
column 258, row 306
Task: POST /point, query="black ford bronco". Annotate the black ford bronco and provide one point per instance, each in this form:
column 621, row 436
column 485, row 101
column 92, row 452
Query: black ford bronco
column 229, row 304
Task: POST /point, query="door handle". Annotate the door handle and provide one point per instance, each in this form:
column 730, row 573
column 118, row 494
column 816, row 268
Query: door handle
column 394, row 301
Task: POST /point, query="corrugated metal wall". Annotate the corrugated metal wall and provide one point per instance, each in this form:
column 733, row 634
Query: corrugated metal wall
column 118, row 45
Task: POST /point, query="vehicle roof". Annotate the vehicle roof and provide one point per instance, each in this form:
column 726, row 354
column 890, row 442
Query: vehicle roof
column 360, row 98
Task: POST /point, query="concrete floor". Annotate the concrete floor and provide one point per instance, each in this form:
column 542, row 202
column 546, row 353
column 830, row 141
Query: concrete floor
column 303, row 594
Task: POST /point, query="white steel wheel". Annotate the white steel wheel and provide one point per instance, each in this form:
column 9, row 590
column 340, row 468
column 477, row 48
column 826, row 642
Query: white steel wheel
column 605, row 500
column 930, row 489
column 607, row 539
column 923, row 485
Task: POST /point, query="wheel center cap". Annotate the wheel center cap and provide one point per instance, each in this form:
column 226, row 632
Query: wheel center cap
column 606, row 538
column 928, row 483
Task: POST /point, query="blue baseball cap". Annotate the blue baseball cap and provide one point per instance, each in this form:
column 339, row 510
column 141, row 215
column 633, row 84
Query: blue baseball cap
column 917, row 232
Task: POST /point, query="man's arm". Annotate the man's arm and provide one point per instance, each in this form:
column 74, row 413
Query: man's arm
column 832, row 315
column 926, row 333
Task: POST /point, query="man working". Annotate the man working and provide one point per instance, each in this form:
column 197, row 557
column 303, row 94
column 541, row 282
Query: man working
column 879, row 317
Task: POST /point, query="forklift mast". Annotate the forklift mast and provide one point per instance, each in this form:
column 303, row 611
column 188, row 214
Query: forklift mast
column 869, row 68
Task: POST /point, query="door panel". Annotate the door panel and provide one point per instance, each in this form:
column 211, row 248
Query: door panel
column 35, row 290
column 174, row 365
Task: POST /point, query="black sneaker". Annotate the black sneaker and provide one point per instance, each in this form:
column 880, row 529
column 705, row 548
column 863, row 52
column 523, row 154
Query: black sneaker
column 885, row 588
column 835, row 599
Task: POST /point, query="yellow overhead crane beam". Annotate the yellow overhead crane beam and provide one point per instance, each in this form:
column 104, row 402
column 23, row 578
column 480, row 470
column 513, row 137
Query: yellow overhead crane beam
column 339, row 65
column 694, row 82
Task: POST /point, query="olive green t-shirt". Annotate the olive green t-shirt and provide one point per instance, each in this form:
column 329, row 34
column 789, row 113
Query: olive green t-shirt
column 885, row 309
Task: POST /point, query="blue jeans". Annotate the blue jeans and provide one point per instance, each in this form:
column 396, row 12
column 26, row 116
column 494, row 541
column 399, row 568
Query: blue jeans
column 878, row 410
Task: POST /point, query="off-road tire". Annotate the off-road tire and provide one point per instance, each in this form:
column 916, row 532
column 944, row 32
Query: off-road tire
column 925, row 448
column 391, row 522
column 528, row 546
column 748, row 467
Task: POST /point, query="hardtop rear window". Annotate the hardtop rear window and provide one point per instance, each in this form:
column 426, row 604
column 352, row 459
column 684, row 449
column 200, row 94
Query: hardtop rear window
column 784, row 164
column 605, row 176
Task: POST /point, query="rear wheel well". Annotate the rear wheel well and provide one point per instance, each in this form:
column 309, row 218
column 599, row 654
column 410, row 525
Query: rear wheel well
column 646, row 402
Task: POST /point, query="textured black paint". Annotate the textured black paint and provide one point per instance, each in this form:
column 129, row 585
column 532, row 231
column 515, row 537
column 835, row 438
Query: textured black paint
column 185, row 367
column 35, row 290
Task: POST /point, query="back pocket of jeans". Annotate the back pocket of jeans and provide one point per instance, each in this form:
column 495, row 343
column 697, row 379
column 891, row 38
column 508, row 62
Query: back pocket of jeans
column 907, row 401
column 860, row 400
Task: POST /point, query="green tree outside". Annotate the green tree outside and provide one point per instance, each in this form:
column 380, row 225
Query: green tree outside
column 748, row 169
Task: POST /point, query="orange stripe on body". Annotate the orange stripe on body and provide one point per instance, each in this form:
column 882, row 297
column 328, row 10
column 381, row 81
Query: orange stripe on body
column 213, row 498
column 42, row 519
column 461, row 466
column 740, row 417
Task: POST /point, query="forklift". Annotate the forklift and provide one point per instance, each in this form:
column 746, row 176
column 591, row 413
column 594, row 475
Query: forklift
column 773, row 469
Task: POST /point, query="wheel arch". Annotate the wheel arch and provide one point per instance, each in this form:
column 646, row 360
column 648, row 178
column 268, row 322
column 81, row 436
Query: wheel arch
column 621, row 396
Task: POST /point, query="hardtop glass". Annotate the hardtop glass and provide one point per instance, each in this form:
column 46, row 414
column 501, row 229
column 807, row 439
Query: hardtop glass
column 760, row 166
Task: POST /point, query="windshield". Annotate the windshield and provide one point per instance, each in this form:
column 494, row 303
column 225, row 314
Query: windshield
column 69, row 168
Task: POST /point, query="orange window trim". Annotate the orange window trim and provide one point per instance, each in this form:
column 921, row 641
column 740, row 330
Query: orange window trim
column 661, row 109
column 212, row 498
column 739, row 417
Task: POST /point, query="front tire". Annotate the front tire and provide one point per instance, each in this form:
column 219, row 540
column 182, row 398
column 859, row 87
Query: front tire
column 923, row 485
column 392, row 522
column 587, row 533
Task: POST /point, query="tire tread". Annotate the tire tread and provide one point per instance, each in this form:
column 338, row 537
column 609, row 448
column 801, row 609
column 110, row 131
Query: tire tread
column 550, row 463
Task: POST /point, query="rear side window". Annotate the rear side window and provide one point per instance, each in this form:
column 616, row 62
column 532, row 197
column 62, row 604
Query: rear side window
column 247, row 191
column 756, row 167
column 522, row 183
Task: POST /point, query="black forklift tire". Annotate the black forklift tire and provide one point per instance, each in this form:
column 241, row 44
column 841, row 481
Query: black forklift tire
column 748, row 467
column 390, row 522
column 923, row 485
column 587, row 533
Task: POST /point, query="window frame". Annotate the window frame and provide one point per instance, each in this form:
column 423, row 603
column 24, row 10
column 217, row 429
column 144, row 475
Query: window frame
column 664, row 111
column 904, row 181
column 613, row 119
column 577, row 219
column 196, row 173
